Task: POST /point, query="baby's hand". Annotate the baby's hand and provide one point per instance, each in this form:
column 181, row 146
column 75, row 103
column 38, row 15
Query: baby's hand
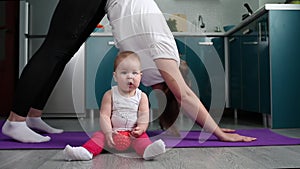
column 136, row 132
column 109, row 140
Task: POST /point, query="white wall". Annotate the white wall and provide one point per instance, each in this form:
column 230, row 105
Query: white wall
column 214, row 12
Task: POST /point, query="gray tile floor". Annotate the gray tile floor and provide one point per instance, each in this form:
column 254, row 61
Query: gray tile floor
column 176, row 158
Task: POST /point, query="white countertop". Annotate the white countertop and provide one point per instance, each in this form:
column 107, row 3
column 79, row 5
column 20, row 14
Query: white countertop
column 281, row 7
column 255, row 14
column 208, row 34
column 264, row 9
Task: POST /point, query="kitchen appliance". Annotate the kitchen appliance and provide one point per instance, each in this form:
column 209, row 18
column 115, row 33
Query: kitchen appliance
column 35, row 16
column 200, row 21
column 250, row 12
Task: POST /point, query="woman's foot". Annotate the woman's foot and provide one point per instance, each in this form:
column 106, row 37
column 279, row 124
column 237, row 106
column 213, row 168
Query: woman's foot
column 77, row 153
column 19, row 131
column 153, row 150
column 35, row 121
column 39, row 124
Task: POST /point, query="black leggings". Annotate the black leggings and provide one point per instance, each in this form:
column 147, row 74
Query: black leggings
column 71, row 24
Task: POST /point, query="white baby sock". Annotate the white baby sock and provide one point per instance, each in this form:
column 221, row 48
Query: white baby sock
column 20, row 132
column 77, row 153
column 38, row 123
column 153, row 150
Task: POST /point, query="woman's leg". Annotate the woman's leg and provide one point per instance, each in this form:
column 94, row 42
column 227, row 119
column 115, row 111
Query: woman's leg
column 72, row 22
column 34, row 121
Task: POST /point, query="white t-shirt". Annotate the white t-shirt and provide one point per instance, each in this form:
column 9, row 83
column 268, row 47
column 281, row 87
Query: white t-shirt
column 139, row 26
column 125, row 110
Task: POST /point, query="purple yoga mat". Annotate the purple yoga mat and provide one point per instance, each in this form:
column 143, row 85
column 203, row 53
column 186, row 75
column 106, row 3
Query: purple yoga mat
column 58, row 141
column 265, row 137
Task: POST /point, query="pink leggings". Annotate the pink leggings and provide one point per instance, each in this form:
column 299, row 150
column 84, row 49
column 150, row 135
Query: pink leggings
column 96, row 144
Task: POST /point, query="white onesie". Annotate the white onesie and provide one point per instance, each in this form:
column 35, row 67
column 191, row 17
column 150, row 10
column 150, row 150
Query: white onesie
column 139, row 26
column 125, row 110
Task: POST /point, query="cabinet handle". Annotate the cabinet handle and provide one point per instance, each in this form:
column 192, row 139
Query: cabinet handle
column 246, row 31
column 26, row 30
column 259, row 31
column 111, row 43
column 231, row 39
column 206, row 43
column 250, row 43
column 262, row 33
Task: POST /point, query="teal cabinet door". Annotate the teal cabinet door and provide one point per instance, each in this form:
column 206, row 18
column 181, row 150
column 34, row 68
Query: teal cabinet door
column 235, row 72
column 284, row 66
column 269, row 65
column 181, row 46
column 250, row 81
column 218, row 43
column 205, row 57
column 195, row 57
column 100, row 53
column 264, row 65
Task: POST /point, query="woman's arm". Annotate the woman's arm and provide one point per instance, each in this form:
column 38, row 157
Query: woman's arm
column 191, row 103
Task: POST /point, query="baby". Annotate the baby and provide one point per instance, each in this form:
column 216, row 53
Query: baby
column 124, row 108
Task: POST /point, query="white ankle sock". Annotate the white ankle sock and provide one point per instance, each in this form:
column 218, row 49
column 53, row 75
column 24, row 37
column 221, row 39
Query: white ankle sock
column 20, row 132
column 38, row 123
column 156, row 148
column 77, row 153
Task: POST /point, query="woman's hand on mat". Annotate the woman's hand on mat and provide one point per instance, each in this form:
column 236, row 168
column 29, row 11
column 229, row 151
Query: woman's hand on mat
column 225, row 130
column 233, row 137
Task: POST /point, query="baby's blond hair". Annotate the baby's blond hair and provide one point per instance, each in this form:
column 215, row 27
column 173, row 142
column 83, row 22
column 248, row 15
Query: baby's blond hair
column 123, row 55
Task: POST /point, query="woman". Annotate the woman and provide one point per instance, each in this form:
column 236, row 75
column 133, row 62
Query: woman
column 139, row 26
column 72, row 23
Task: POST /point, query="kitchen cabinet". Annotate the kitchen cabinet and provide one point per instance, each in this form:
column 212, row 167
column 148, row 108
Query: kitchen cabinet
column 248, row 68
column 264, row 65
column 205, row 57
column 195, row 57
column 235, row 72
column 284, row 67
column 250, row 71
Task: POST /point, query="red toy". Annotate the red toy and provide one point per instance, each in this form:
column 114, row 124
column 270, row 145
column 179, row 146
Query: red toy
column 122, row 140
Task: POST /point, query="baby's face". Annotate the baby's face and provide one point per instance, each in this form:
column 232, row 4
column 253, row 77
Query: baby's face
column 128, row 75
